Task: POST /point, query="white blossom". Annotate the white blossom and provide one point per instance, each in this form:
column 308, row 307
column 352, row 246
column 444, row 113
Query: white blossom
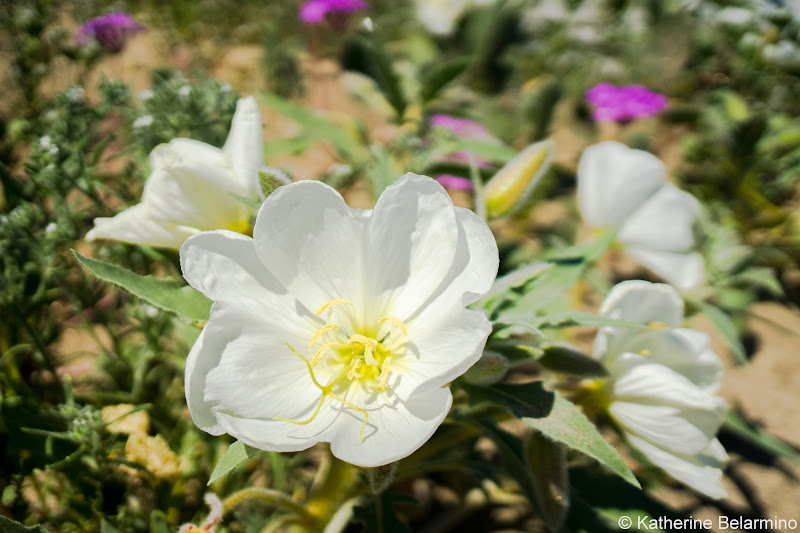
column 184, row 90
column 192, row 185
column 147, row 94
column 626, row 191
column 663, row 384
column 339, row 325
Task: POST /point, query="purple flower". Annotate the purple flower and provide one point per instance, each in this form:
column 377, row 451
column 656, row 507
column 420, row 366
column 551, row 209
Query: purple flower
column 620, row 104
column 110, row 31
column 466, row 129
column 454, row 182
column 315, row 11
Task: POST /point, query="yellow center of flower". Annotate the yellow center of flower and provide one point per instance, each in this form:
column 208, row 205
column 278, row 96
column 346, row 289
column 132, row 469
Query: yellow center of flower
column 243, row 227
column 359, row 358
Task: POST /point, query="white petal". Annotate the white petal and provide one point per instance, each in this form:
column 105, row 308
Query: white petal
column 702, row 471
column 637, row 301
column 244, row 148
column 613, row 180
column 685, row 271
column 685, row 351
column 643, row 302
column 136, row 226
column 659, row 404
column 413, row 238
column 438, row 354
column 663, row 221
column 191, row 191
column 241, row 374
column 224, row 266
column 394, row 430
column 313, row 243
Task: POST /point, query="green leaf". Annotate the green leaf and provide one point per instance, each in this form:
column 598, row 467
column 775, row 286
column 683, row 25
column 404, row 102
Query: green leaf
column 504, row 284
column 548, row 461
column 726, row 327
column 314, row 125
column 565, row 360
column 381, row 172
column 568, row 319
column 237, row 454
column 758, row 437
column 182, row 300
column 379, row 68
column 557, row 419
column 106, row 527
column 763, row 277
column 10, row 526
column 439, row 75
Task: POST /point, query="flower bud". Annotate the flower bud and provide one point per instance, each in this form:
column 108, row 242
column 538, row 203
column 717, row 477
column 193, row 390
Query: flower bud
column 488, row 370
column 508, row 190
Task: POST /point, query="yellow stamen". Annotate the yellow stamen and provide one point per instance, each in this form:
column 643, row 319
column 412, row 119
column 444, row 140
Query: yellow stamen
column 396, row 322
column 656, row 325
column 326, row 391
column 322, row 331
column 330, row 304
column 369, row 345
column 353, row 372
column 384, row 373
column 321, row 352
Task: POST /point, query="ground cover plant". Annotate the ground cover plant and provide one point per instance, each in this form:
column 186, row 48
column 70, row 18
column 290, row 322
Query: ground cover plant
column 348, row 265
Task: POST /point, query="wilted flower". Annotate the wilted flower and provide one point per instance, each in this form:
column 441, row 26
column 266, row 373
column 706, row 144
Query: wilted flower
column 110, row 31
column 154, row 454
column 122, row 419
column 626, row 190
column 315, row 11
column 619, row 104
column 339, row 325
column 662, row 386
column 441, row 16
column 192, row 185
column 512, row 185
column 211, row 522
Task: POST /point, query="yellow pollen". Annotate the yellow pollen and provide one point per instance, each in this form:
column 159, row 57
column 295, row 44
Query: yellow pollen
column 384, row 373
column 322, row 331
column 327, row 390
column 330, row 305
column 396, row 322
column 321, row 352
column 369, row 345
column 353, row 372
column 656, row 325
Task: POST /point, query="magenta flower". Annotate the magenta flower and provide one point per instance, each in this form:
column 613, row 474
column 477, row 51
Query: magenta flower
column 448, row 181
column 466, row 129
column 110, row 31
column 621, row 104
column 315, row 11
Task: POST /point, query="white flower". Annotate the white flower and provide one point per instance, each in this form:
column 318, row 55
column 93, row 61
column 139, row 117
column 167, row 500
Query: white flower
column 626, row 190
column 191, row 187
column 339, row 325
column 441, row 16
column 184, row 90
column 147, row 94
column 50, row 228
column 663, row 384
column 143, row 121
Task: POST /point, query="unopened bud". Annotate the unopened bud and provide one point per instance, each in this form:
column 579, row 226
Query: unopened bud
column 488, row 370
column 508, row 190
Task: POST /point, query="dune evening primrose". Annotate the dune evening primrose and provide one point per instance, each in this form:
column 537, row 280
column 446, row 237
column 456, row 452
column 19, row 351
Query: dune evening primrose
column 626, row 190
column 662, row 386
column 315, row 11
column 339, row 325
column 109, row 31
column 619, row 104
column 191, row 187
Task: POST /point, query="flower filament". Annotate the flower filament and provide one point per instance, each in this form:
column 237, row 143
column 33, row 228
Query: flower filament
column 361, row 359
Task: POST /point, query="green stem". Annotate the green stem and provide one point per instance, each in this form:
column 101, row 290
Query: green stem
column 270, row 497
